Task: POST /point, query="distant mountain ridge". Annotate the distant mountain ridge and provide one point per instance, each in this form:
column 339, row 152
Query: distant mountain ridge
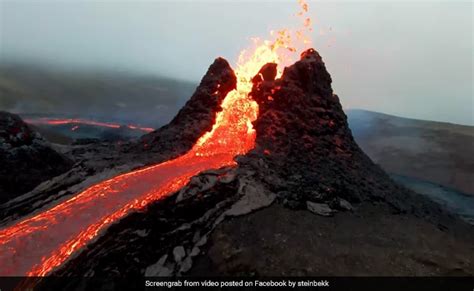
column 438, row 152
column 117, row 95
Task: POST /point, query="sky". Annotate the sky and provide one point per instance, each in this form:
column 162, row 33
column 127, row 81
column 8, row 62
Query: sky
column 411, row 59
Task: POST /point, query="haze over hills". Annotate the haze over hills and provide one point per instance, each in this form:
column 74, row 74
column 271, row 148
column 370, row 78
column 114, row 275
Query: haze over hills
column 438, row 152
column 113, row 96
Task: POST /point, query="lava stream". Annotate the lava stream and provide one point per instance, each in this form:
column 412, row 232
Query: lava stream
column 76, row 122
column 38, row 244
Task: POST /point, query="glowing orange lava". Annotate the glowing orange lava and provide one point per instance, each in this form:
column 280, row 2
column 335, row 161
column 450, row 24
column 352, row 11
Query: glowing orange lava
column 76, row 122
column 40, row 243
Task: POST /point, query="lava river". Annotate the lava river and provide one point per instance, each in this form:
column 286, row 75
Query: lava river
column 76, row 122
column 38, row 244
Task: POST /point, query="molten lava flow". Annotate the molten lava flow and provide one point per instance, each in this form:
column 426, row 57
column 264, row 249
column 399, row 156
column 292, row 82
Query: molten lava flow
column 76, row 122
column 37, row 245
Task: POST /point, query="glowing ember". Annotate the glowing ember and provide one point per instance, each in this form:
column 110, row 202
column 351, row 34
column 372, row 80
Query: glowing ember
column 38, row 244
column 78, row 121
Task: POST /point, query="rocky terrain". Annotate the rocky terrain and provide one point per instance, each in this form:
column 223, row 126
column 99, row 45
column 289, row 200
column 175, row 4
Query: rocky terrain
column 26, row 158
column 305, row 201
column 368, row 241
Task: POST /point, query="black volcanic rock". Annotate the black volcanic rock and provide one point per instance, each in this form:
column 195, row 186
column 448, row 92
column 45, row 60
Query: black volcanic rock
column 303, row 136
column 267, row 73
column 197, row 116
column 26, row 159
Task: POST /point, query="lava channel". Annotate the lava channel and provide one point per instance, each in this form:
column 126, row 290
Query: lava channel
column 37, row 245
column 76, row 122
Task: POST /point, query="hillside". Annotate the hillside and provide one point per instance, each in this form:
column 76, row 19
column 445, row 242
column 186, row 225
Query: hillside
column 438, row 152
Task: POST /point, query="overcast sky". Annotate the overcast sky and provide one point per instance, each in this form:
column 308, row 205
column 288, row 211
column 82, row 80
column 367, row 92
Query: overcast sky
column 411, row 59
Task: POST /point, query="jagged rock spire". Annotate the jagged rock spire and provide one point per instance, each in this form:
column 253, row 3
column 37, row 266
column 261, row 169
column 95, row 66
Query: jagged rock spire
column 302, row 133
column 198, row 114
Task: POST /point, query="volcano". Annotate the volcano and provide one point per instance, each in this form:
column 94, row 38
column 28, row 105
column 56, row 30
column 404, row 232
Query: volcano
column 257, row 176
column 299, row 198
